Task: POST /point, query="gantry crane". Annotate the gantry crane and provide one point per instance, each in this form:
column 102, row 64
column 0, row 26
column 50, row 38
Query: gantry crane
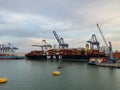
column 4, row 48
column 43, row 44
column 61, row 42
column 109, row 46
column 93, row 42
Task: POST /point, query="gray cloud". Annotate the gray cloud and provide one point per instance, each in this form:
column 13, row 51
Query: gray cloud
column 72, row 19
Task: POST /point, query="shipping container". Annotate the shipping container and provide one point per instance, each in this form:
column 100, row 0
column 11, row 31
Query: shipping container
column 117, row 55
column 101, row 53
column 89, row 52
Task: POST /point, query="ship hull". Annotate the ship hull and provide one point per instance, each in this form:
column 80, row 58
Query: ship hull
column 38, row 57
column 11, row 57
column 61, row 57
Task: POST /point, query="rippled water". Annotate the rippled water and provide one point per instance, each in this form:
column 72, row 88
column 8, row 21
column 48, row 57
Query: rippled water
column 38, row 75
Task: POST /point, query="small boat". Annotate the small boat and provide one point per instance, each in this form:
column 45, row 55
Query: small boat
column 92, row 61
column 95, row 61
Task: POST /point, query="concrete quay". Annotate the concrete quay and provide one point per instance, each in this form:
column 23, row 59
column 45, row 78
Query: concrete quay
column 112, row 65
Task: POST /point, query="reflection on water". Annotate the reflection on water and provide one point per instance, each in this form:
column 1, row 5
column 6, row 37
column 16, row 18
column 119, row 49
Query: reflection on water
column 37, row 75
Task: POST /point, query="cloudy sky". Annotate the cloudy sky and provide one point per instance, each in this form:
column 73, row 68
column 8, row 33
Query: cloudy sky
column 27, row 22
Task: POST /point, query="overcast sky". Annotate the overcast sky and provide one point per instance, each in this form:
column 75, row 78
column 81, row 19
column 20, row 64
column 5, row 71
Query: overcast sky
column 27, row 22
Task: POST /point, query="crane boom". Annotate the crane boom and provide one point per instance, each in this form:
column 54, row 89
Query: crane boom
column 43, row 45
column 56, row 36
column 102, row 35
column 112, row 58
column 60, row 41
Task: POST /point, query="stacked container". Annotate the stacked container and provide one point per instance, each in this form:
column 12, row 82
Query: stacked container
column 117, row 55
column 95, row 52
column 52, row 52
column 89, row 52
column 80, row 51
column 74, row 51
column 101, row 53
column 69, row 52
column 32, row 53
column 63, row 52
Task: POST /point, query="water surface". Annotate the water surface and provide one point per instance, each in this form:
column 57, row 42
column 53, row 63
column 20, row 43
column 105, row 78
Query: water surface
column 37, row 75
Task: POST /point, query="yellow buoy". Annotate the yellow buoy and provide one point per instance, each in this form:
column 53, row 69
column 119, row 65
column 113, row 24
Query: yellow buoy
column 56, row 73
column 3, row 80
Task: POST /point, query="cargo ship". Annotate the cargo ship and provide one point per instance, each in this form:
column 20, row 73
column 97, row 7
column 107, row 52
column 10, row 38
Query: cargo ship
column 11, row 57
column 63, row 52
column 36, row 55
column 73, row 54
column 7, row 51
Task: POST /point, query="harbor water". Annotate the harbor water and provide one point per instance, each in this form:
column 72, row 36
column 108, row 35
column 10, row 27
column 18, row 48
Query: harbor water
column 38, row 75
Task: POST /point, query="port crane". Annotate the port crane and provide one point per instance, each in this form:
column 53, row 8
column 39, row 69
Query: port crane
column 44, row 46
column 109, row 46
column 61, row 42
column 93, row 42
column 4, row 48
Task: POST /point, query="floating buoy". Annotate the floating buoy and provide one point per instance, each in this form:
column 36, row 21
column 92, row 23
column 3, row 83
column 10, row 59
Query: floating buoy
column 56, row 73
column 3, row 80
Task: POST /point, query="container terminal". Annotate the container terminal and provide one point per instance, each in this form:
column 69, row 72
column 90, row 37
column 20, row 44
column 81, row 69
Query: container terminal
column 91, row 49
column 8, row 51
